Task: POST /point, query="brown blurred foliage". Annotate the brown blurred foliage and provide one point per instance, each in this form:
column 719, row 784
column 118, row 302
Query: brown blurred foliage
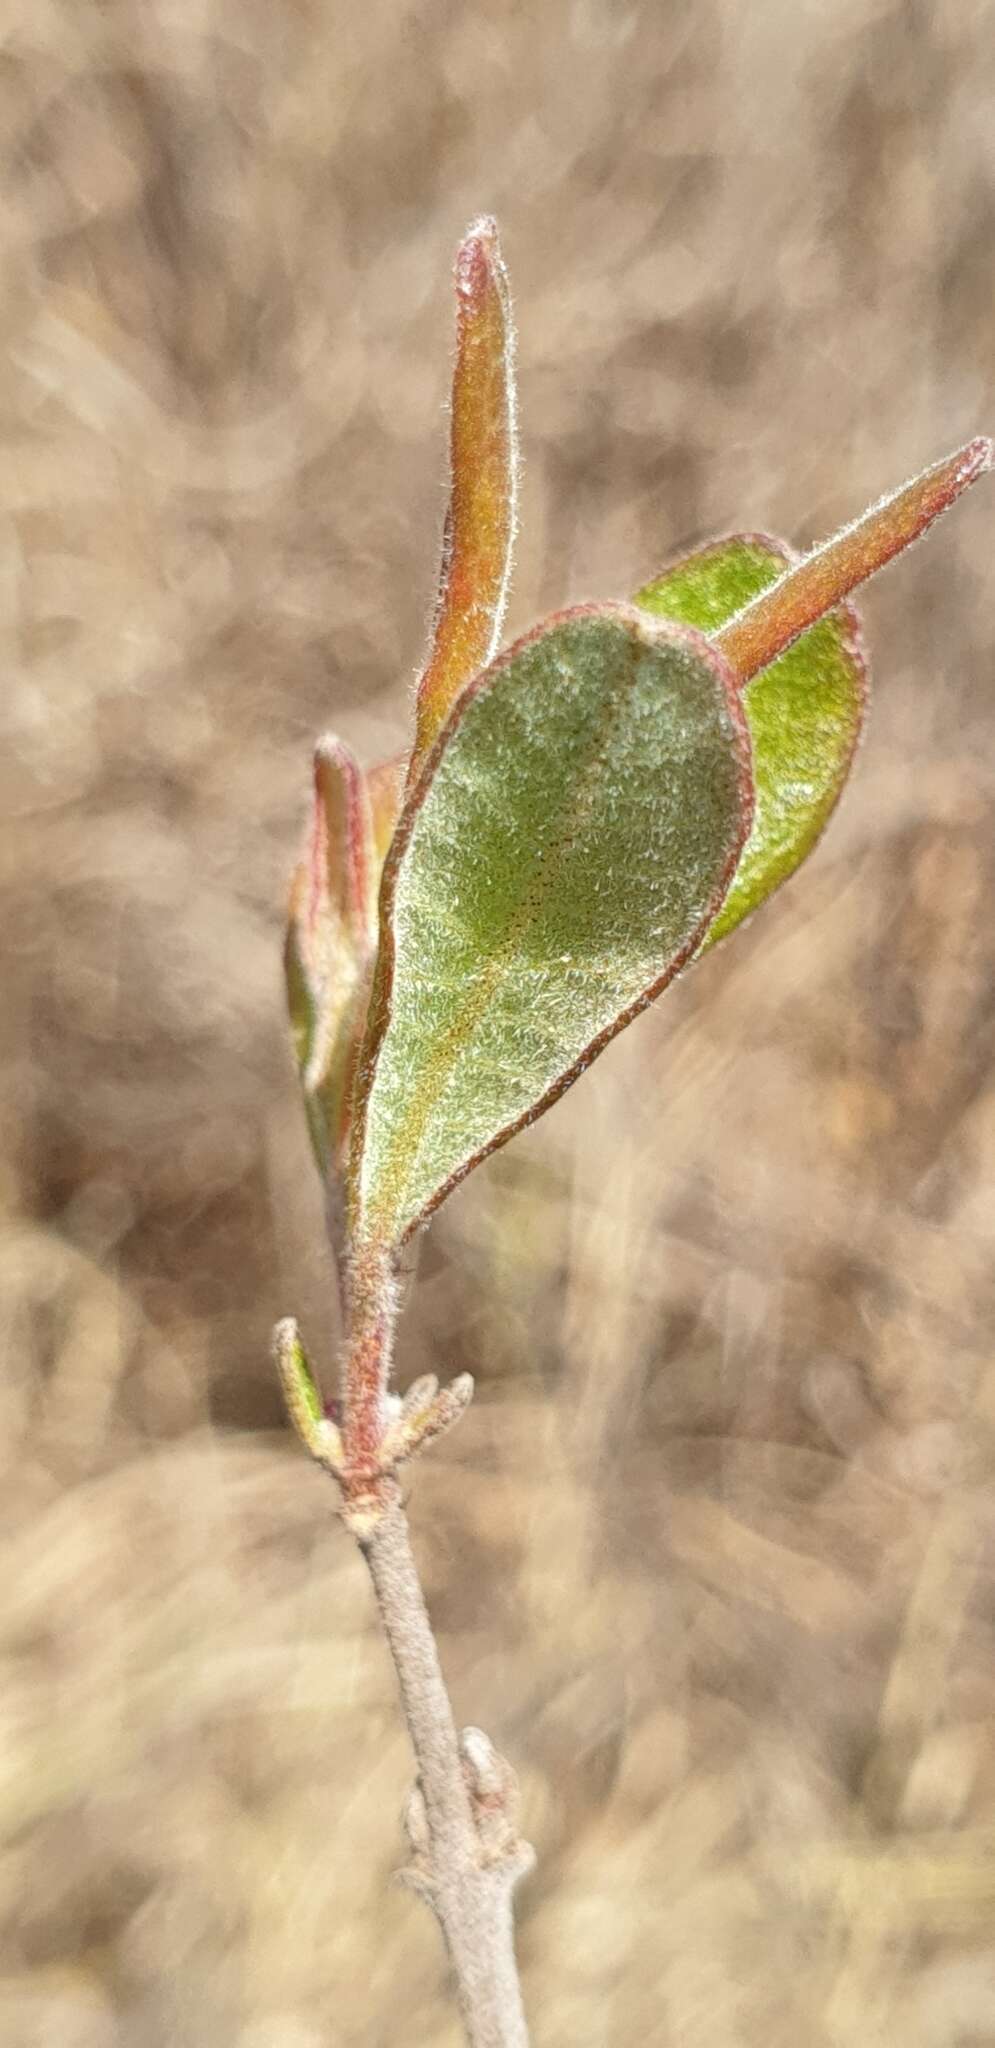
column 711, row 1556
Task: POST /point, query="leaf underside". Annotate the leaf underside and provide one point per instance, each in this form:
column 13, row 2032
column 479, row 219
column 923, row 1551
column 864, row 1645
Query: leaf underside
column 566, row 848
column 804, row 711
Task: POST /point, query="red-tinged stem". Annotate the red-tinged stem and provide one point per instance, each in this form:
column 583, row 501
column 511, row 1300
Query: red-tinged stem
column 763, row 629
column 370, row 1313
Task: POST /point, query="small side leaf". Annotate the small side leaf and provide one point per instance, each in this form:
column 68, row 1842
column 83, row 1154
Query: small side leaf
column 780, row 619
column 568, row 844
column 415, row 1428
column 480, row 519
column 330, row 939
column 317, row 1432
column 804, row 711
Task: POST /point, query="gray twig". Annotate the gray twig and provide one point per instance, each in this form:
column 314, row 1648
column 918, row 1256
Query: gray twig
column 467, row 1854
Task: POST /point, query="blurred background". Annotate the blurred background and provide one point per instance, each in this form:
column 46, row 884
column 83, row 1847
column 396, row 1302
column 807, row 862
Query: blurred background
column 712, row 1555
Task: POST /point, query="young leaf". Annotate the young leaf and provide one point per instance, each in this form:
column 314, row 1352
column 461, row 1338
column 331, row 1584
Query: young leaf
column 564, row 850
column 806, row 682
column 331, row 935
column 765, row 627
column 305, row 1407
column 480, row 519
column 804, row 711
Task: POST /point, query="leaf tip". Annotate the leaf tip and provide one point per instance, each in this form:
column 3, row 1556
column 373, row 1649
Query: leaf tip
column 481, row 516
column 482, row 234
column 815, row 585
column 978, row 456
column 478, row 265
column 944, row 482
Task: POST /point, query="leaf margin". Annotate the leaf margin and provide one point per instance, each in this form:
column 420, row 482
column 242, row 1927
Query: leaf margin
column 379, row 1010
column 854, row 646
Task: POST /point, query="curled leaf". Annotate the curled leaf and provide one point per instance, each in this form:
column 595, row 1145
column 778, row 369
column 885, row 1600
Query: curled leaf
column 811, row 586
column 804, row 711
column 797, row 648
column 331, row 936
column 564, row 851
column 480, row 519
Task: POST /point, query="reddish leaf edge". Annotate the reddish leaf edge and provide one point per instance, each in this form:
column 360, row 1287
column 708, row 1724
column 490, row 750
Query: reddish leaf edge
column 823, row 577
column 479, row 270
column 754, row 536
column 333, row 756
column 652, row 629
column 855, row 646
column 337, row 871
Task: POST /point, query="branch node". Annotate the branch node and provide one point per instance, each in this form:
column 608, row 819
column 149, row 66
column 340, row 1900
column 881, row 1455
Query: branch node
column 367, row 1476
column 366, row 1498
column 494, row 1803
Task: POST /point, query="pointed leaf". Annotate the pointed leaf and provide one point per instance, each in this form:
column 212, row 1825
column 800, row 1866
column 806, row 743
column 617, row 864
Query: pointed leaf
column 305, row 1407
column 811, row 586
column 480, row 520
column 330, row 940
column 566, row 847
column 804, row 711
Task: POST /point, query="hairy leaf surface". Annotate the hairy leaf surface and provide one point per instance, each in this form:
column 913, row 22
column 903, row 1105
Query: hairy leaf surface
column 804, row 711
column 480, row 518
column 564, row 851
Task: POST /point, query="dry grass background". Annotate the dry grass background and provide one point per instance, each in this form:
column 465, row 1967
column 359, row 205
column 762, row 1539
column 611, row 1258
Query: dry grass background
column 712, row 1555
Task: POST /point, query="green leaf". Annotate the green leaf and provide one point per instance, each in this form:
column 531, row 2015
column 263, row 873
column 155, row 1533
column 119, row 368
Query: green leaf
column 804, row 711
column 566, row 847
column 305, row 1407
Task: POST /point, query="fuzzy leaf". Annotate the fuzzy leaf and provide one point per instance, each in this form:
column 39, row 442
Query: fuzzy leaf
column 305, row 1407
column 480, row 518
column 811, row 586
column 566, row 847
column 330, row 940
column 804, row 711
